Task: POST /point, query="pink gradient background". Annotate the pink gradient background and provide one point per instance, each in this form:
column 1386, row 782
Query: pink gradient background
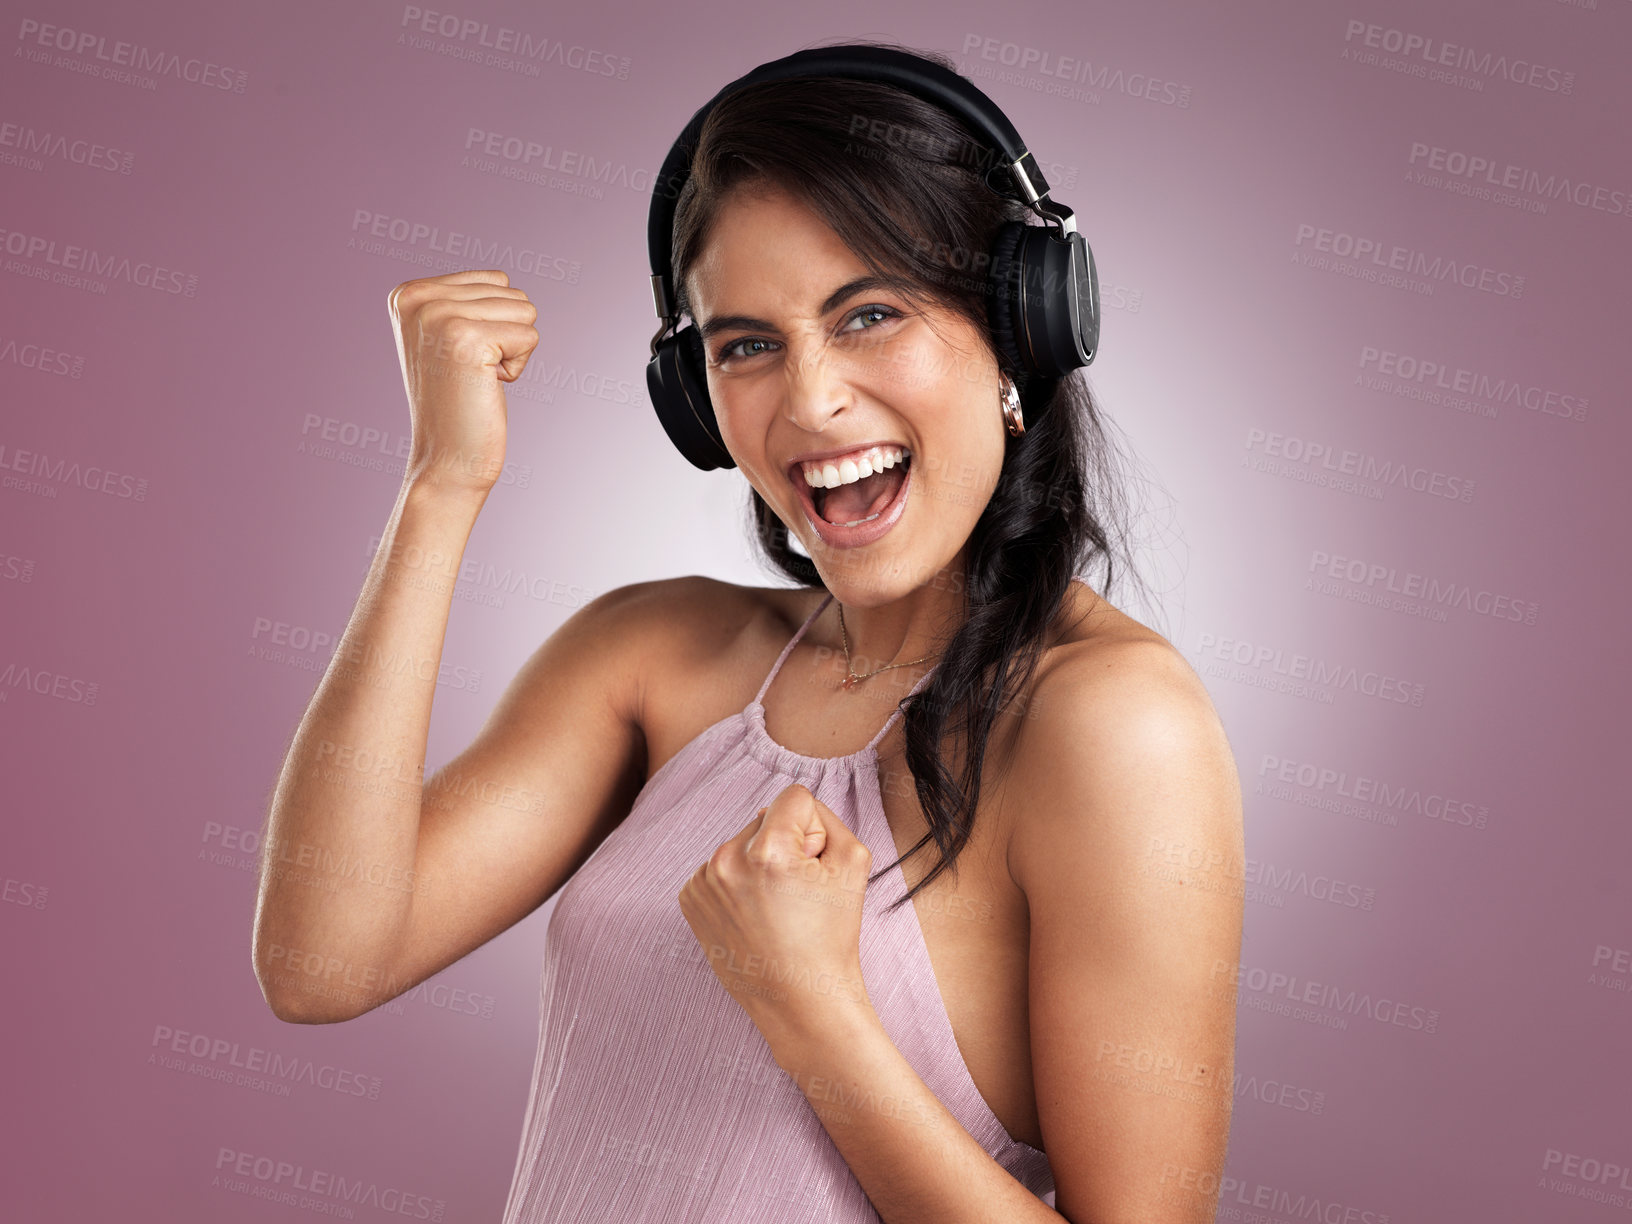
column 125, row 907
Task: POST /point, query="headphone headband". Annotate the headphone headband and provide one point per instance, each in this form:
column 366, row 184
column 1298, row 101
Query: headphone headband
column 1018, row 177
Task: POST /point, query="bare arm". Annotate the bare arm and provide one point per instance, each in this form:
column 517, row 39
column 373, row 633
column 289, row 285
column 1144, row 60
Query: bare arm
column 371, row 883
column 339, row 853
column 370, row 880
column 1130, row 851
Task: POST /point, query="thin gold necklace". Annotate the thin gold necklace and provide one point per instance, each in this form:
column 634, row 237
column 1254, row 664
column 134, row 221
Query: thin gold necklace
column 851, row 679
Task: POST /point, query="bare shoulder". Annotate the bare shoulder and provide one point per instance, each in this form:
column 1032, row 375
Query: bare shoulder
column 707, row 618
column 675, row 625
column 695, row 610
column 1121, row 743
column 695, row 635
column 1104, row 661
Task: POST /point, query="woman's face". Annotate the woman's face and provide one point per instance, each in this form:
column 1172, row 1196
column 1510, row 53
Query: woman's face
column 798, row 370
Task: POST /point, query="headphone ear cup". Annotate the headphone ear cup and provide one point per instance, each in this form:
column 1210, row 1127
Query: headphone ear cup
column 677, row 382
column 1056, row 315
column 1005, row 284
column 696, row 370
column 1008, row 319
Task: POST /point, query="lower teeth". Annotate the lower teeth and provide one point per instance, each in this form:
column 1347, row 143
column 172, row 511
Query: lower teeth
column 859, row 522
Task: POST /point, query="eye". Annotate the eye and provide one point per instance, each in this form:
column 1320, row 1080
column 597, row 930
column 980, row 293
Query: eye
column 729, row 349
column 733, row 348
column 883, row 311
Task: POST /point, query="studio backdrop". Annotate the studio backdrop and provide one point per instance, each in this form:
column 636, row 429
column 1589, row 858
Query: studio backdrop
column 1363, row 270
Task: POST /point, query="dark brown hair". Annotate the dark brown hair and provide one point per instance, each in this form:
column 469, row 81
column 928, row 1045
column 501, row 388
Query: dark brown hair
column 899, row 180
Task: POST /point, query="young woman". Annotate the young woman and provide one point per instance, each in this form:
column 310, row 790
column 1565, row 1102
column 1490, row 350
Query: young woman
column 904, row 893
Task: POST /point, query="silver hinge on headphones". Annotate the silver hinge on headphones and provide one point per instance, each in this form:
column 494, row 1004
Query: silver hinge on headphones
column 660, row 297
column 1030, row 191
column 1051, row 211
column 665, row 309
column 1036, row 194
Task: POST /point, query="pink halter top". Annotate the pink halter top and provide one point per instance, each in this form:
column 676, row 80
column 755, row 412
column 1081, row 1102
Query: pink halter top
column 654, row 1097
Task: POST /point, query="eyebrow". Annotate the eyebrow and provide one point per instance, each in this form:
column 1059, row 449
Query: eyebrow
column 849, row 289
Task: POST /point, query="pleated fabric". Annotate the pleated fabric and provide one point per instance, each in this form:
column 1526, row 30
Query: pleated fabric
column 654, row 1097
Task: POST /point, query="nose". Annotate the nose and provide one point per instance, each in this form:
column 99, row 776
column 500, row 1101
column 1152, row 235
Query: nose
column 817, row 385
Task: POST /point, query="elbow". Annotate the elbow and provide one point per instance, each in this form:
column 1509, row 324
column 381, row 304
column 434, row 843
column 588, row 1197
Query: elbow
column 290, row 1006
column 289, row 1002
column 291, row 1012
column 294, row 1008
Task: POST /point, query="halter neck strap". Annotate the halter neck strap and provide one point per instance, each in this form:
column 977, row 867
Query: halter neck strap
column 776, row 667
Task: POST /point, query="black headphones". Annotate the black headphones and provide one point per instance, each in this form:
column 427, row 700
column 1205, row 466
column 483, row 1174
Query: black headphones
column 1045, row 292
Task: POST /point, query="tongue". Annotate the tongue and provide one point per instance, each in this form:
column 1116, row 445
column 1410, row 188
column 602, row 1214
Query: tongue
column 867, row 496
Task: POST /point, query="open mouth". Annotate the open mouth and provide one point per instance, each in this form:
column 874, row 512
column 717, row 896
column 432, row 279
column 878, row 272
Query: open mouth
column 862, row 500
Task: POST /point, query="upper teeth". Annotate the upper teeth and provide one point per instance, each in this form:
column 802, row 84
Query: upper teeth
column 830, row 474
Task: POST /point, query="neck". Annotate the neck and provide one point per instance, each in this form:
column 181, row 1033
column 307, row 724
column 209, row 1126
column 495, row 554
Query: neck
column 911, row 628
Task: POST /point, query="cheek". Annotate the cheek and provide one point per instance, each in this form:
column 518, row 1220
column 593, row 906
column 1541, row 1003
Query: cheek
column 920, row 369
column 729, row 414
column 950, row 357
column 970, row 446
column 743, row 430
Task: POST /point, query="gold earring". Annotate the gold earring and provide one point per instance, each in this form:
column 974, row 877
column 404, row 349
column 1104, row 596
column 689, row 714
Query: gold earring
column 1012, row 417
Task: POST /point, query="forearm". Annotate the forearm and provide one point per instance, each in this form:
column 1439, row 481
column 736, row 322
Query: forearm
column 915, row 1161
column 339, row 846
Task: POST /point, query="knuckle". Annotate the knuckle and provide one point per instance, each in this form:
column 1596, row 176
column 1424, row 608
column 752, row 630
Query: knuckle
column 462, row 329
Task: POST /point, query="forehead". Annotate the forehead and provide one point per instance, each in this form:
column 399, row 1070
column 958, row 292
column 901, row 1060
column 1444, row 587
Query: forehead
column 766, row 246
